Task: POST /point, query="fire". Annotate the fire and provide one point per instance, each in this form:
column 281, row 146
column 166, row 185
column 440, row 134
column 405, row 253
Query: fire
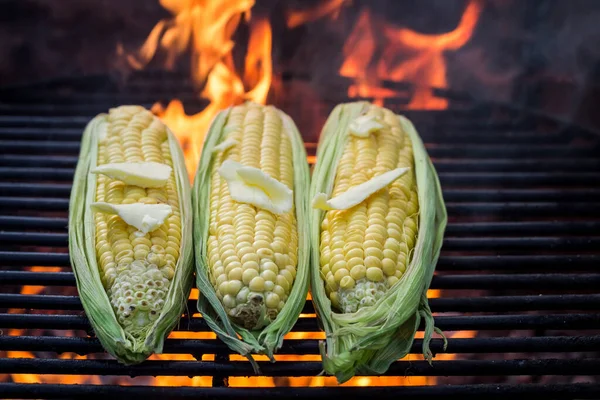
column 405, row 55
column 375, row 52
column 296, row 18
column 205, row 29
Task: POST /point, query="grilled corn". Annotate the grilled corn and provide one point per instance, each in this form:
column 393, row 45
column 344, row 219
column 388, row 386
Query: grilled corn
column 251, row 227
column 377, row 224
column 130, row 231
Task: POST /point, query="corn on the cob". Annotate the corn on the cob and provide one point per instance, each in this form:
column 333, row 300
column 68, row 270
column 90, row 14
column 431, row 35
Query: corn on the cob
column 250, row 230
column 375, row 243
column 130, row 231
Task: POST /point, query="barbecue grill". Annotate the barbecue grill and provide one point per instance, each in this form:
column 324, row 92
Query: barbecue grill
column 518, row 265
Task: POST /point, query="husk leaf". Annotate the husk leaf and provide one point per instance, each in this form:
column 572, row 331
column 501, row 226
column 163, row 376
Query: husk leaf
column 269, row 339
column 125, row 348
column 369, row 340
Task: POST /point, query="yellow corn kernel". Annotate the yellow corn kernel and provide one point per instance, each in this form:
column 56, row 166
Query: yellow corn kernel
column 366, row 247
column 256, row 245
column 134, row 135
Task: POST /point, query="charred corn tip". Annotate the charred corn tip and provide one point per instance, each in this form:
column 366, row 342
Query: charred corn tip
column 130, row 185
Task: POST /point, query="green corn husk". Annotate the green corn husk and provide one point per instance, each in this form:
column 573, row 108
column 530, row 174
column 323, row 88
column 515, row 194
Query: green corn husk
column 124, row 347
column 241, row 340
column 369, row 340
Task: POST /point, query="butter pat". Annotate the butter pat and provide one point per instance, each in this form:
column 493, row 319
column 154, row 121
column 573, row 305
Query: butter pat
column 143, row 174
column 145, row 217
column 252, row 186
column 364, row 125
column 357, row 194
column 224, row 145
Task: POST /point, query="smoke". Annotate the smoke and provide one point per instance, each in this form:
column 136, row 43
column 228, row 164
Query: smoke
column 537, row 54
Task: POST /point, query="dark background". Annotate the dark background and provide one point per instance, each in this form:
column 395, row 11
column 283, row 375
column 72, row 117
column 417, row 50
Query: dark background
column 536, row 54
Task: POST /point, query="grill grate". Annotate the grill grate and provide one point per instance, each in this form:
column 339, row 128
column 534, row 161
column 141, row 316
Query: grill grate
column 519, row 262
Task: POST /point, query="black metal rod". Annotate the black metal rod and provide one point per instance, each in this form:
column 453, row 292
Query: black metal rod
column 36, row 174
column 520, row 229
column 476, row 209
column 450, row 243
column 521, row 195
column 522, row 179
column 83, row 346
column 39, row 147
column 478, row 263
column 35, row 238
column 435, row 150
column 19, row 160
column 37, row 278
column 22, row 222
column 583, row 164
column 69, row 129
column 517, row 165
column 453, row 304
column 516, row 303
column 508, row 151
column 487, row 391
column 519, row 263
column 33, row 203
column 451, row 323
column 35, row 189
column 453, row 135
column 298, row 368
column 40, row 133
column 517, row 281
column 534, row 282
column 523, row 210
column 510, row 228
column 448, row 179
column 43, row 121
column 87, row 111
column 34, row 258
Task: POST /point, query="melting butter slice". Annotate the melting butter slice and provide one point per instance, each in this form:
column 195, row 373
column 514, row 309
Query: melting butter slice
column 143, row 174
column 252, row 186
column 357, row 194
column 145, row 217
column 225, row 145
column 363, row 126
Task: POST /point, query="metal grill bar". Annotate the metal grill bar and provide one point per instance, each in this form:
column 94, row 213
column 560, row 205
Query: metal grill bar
column 7, row 222
column 500, row 210
column 450, row 136
column 520, row 281
column 450, row 244
column 437, row 151
column 550, row 344
column 442, row 165
column 479, row 263
column 450, row 179
column 524, row 206
column 533, row 228
column 57, row 391
column 475, row 322
column 455, row 304
column 62, row 190
column 298, row 368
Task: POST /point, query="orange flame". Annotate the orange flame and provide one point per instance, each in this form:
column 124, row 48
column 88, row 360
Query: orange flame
column 205, row 29
column 406, row 55
column 296, row 18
